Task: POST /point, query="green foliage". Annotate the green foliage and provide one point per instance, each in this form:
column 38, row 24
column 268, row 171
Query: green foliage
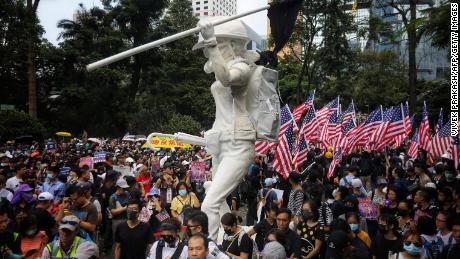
column 437, row 25
column 15, row 124
column 181, row 123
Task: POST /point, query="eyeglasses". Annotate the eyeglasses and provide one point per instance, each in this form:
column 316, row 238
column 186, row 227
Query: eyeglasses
column 416, row 243
column 65, row 222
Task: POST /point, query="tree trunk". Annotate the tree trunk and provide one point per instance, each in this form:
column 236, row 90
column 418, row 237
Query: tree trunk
column 412, row 38
column 299, row 80
column 31, row 81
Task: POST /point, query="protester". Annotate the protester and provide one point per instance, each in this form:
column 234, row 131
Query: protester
column 69, row 244
column 310, row 231
column 53, row 185
column 14, row 182
column 236, row 242
column 293, row 240
column 412, row 246
column 45, row 222
column 198, row 247
column 170, row 245
column 183, row 202
column 133, row 237
column 386, row 242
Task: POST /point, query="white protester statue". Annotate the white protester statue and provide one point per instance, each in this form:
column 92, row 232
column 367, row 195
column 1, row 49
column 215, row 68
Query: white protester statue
column 232, row 137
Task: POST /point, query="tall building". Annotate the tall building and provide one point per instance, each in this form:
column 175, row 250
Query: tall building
column 214, row 7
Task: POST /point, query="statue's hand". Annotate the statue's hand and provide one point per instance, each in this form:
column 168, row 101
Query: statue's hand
column 207, row 30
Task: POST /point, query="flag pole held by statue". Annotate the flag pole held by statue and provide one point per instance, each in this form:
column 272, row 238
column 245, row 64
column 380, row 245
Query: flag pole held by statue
column 153, row 44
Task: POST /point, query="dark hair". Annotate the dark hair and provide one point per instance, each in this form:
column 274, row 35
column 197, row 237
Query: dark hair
column 395, row 190
column 400, row 172
column 426, row 225
column 19, row 166
column 439, row 168
column 390, row 220
column 449, row 218
column 229, row 219
column 343, row 191
column 271, row 207
column 284, row 210
column 340, row 224
column 352, row 214
column 455, row 221
column 200, row 218
column 26, row 223
column 202, row 237
column 2, row 179
column 181, row 184
column 447, row 192
column 74, row 189
column 80, row 171
column 54, row 169
column 134, row 201
column 425, row 194
column 295, row 177
column 314, row 208
column 279, row 235
column 411, row 232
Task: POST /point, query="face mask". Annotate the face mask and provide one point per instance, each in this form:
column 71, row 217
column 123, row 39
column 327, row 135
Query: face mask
column 168, row 239
column 189, row 232
column 412, row 249
column 31, row 232
column 182, row 192
column 4, row 164
column 49, row 176
column 354, row 227
column 449, row 176
column 306, row 215
column 131, row 214
column 403, row 212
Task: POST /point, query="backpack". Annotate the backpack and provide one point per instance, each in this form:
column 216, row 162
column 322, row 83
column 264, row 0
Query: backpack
column 176, row 254
column 263, row 103
column 367, row 209
column 433, row 249
column 255, row 250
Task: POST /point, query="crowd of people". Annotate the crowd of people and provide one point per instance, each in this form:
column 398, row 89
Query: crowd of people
column 376, row 205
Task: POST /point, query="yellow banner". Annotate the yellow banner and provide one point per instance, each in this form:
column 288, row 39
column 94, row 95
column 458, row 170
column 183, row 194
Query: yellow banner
column 166, row 142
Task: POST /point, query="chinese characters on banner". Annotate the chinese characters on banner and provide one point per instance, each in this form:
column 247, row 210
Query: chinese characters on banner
column 197, row 171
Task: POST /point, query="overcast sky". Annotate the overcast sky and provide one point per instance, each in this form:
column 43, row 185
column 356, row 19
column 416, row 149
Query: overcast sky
column 51, row 11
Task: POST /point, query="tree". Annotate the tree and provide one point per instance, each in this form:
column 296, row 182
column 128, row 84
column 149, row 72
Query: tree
column 181, row 123
column 15, row 124
column 436, row 24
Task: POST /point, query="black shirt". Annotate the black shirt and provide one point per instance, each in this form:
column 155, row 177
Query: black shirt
column 133, row 241
column 8, row 242
column 262, row 228
column 293, row 244
column 381, row 246
column 245, row 245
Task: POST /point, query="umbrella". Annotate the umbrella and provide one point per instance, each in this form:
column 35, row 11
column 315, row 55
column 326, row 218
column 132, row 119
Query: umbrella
column 63, row 134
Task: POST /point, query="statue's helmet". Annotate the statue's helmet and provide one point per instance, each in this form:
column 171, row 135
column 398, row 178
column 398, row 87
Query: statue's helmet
column 235, row 29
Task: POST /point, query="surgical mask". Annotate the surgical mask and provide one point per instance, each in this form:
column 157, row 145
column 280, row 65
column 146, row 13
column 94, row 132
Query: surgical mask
column 31, row 232
column 182, row 192
column 189, row 232
column 412, row 249
column 306, row 215
column 354, row 227
column 334, row 192
column 169, row 238
column 4, row 164
column 131, row 214
column 403, row 212
column 49, row 176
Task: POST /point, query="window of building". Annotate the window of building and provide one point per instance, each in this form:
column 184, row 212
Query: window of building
column 198, row 8
column 197, row 2
column 205, row 13
column 205, row 2
column 206, row 8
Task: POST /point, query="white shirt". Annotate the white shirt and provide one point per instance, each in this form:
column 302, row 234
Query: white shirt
column 13, row 183
column 167, row 252
column 4, row 193
column 214, row 252
column 445, row 239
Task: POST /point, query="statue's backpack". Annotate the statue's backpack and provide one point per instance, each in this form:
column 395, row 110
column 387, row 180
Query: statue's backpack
column 263, row 103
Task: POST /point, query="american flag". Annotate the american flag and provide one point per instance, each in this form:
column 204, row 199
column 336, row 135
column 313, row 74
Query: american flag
column 441, row 141
column 282, row 162
column 263, row 147
column 408, row 122
column 361, row 134
column 440, row 122
column 454, row 151
column 310, row 126
column 333, row 125
column 424, row 133
column 347, row 114
column 301, row 109
column 300, row 154
column 342, row 140
column 324, row 113
column 337, row 159
column 99, row 157
column 396, row 125
column 286, row 120
column 413, row 146
column 376, row 140
column 324, row 136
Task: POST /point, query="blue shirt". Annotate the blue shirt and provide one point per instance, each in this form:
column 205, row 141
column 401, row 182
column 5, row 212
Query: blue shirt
column 56, row 188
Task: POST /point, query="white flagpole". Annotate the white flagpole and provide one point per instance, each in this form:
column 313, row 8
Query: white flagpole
column 153, row 44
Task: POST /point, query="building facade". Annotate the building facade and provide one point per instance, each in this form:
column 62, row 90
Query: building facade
column 214, row 7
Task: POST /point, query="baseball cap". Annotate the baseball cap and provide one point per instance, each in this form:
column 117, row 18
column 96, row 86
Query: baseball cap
column 381, row 182
column 273, row 250
column 122, row 183
column 70, row 222
column 83, row 186
column 45, row 196
column 153, row 191
column 338, row 240
column 356, row 183
column 269, row 181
